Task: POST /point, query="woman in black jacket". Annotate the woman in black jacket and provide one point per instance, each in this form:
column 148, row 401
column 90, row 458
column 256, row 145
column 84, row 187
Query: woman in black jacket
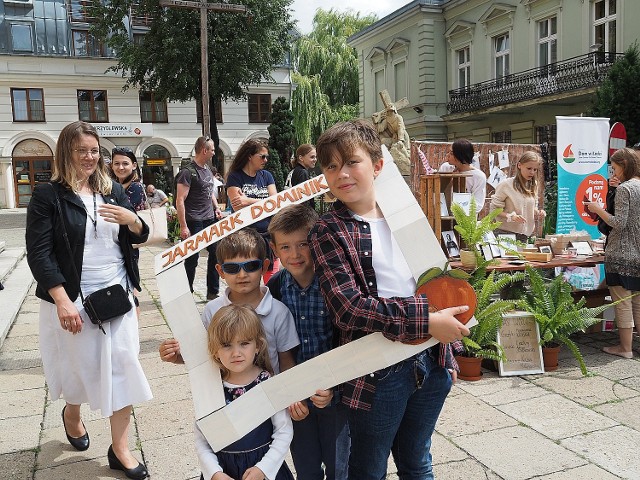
column 81, row 364
column 302, row 164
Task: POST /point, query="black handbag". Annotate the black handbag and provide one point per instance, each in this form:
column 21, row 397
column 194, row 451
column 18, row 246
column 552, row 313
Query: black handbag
column 102, row 305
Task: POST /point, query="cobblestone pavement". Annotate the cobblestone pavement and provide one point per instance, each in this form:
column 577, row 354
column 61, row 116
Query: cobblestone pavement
column 556, row 426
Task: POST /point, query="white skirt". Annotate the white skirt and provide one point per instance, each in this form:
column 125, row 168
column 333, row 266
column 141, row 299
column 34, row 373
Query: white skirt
column 91, row 367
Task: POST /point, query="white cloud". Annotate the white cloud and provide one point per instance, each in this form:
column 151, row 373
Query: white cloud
column 304, row 10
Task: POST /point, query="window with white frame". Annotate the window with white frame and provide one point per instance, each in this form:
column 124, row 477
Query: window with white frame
column 379, row 84
column 501, row 51
column 463, row 59
column 400, row 79
column 604, row 25
column 547, row 41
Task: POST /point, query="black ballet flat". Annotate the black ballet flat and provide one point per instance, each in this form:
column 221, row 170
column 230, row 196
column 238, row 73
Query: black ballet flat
column 79, row 443
column 137, row 473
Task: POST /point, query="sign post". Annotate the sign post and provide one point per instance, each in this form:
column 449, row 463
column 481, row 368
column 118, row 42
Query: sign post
column 204, row 7
column 617, row 138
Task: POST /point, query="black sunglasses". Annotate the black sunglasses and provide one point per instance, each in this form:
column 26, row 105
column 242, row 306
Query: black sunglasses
column 233, row 268
column 264, row 157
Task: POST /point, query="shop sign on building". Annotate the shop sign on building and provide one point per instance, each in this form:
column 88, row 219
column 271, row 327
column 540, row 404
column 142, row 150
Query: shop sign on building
column 124, row 129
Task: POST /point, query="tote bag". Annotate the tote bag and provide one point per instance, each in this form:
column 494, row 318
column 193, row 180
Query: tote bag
column 156, row 219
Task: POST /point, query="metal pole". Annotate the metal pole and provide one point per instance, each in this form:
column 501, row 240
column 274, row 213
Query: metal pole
column 204, row 65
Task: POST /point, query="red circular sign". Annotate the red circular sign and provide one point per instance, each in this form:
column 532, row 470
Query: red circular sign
column 593, row 188
column 617, row 138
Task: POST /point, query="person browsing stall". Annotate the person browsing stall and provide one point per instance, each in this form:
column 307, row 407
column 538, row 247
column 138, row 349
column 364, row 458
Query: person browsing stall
column 518, row 198
column 368, row 287
column 622, row 252
column 81, row 363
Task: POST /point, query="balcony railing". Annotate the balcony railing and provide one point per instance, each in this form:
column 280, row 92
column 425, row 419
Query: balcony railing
column 568, row 75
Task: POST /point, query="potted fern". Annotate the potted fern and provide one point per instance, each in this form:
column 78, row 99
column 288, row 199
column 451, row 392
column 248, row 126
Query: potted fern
column 482, row 341
column 558, row 316
column 472, row 231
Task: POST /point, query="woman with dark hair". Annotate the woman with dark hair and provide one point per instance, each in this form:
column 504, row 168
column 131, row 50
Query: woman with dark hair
column 124, row 169
column 622, row 253
column 124, row 166
column 302, row 163
column 248, row 182
column 461, row 157
column 80, row 234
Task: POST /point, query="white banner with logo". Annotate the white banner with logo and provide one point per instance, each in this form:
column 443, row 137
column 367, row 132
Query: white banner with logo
column 583, row 144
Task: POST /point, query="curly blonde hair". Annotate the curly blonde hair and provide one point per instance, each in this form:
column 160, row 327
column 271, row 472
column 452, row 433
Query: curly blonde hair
column 242, row 322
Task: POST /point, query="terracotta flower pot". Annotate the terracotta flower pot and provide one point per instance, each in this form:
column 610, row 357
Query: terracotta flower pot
column 470, row 368
column 468, row 258
column 550, row 358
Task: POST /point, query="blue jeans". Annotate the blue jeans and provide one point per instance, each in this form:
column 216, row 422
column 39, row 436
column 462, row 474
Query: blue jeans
column 408, row 399
column 190, row 264
column 321, row 438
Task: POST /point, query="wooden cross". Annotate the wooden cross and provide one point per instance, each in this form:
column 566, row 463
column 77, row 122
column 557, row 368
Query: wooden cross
column 204, row 6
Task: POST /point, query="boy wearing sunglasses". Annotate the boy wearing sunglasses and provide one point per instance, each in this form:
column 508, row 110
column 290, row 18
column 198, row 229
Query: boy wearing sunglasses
column 241, row 264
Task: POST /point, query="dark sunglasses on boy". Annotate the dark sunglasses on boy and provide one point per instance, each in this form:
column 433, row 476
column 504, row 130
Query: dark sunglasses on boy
column 233, row 268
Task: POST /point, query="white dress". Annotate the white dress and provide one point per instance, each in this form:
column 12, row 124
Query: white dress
column 91, row 367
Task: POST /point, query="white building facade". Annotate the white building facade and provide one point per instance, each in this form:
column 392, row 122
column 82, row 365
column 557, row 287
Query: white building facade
column 53, row 73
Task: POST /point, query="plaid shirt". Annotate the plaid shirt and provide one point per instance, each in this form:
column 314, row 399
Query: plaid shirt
column 342, row 250
column 310, row 314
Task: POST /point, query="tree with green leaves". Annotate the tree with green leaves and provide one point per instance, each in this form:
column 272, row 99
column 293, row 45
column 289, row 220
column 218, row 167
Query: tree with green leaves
column 326, row 74
column 617, row 97
column 281, row 137
column 243, row 50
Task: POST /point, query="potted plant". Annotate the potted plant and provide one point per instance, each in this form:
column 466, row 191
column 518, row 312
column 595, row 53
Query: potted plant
column 558, row 316
column 482, row 341
column 472, row 231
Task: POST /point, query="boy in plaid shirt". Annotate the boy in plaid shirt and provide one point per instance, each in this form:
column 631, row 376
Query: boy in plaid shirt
column 368, row 287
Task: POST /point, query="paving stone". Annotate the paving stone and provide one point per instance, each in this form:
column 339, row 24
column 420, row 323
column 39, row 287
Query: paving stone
column 498, row 391
column 18, row 465
column 20, row 360
column 587, row 391
column 518, row 453
column 443, row 450
column 614, row 449
column 631, row 382
column 626, row 412
column 463, row 470
column 95, row 469
column 151, row 338
column 616, row 368
column 172, row 457
column 584, row 472
column 18, row 344
column 14, row 381
column 24, row 329
column 25, row 433
column 165, row 420
column 155, row 368
column 170, row 389
column 22, row 403
column 485, row 417
column 555, row 416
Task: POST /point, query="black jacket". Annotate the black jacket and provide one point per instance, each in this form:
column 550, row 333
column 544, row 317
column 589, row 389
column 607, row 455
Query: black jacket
column 47, row 252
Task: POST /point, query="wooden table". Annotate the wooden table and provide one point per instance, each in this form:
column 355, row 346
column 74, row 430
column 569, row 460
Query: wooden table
column 503, row 264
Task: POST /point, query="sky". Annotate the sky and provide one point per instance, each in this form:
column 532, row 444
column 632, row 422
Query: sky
column 304, row 10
